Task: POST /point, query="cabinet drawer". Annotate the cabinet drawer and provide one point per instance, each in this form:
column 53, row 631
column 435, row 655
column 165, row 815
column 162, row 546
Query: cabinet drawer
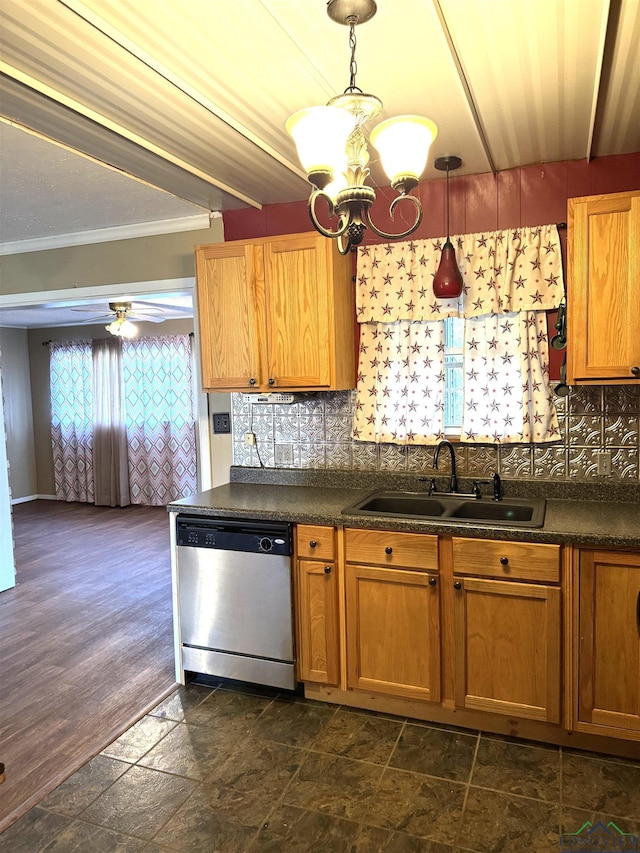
column 518, row 560
column 314, row 542
column 388, row 548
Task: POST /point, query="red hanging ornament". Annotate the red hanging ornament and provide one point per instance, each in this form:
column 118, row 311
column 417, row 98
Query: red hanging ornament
column 447, row 282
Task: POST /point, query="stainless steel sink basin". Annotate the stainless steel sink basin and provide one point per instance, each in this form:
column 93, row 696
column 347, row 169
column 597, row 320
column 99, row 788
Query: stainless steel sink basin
column 514, row 512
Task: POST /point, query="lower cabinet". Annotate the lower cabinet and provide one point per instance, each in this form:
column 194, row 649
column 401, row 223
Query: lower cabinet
column 318, row 593
column 392, row 613
column 507, row 648
column 507, row 628
column 608, row 661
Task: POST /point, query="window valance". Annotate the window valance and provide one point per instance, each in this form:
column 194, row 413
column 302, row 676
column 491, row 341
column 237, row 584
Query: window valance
column 503, row 272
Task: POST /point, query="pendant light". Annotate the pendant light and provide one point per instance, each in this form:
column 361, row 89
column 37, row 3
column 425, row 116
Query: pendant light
column 447, row 282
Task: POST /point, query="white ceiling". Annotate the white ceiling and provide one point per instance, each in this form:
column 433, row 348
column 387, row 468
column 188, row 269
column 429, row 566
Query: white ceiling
column 186, row 101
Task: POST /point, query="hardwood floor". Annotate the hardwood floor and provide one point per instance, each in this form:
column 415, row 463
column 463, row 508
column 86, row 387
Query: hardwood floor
column 85, row 639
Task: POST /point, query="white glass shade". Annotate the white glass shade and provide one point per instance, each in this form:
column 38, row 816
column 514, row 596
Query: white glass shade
column 403, row 144
column 122, row 328
column 320, row 134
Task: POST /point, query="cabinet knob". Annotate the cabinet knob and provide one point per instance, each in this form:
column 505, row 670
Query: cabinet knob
column 252, row 381
column 313, row 543
column 272, row 381
column 635, row 371
column 457, row 585
column 327, row 570
column 504, row 561
column 388, row 550
column 432, row 581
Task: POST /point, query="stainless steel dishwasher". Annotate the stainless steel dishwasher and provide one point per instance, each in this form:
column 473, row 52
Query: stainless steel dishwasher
column 235, row 599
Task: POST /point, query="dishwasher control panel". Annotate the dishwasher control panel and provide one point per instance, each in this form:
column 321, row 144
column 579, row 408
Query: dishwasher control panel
column 234, row 535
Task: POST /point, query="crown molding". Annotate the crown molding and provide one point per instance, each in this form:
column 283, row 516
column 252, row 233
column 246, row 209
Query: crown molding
column 196, row 222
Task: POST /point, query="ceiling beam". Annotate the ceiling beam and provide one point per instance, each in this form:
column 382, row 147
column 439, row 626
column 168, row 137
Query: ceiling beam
column 608, row 34
column 465, row 86
column 86, row 112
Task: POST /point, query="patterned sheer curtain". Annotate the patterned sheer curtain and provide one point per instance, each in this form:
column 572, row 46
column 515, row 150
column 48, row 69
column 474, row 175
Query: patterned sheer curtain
column 71, row 383
column 511, row 278
column 160, row 423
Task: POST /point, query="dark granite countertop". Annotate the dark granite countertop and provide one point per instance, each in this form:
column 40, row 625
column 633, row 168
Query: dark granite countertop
column 599, row 521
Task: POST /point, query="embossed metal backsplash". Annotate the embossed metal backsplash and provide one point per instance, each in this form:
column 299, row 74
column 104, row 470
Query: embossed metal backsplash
column 316, row 433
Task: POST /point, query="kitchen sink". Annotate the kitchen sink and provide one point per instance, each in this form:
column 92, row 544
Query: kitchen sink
column 402, row 503
column 458, row 509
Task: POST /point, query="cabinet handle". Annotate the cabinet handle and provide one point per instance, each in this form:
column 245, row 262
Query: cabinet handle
column 635, row 371
column 504, row 561
column 638, row 610
column 272, row 381
column 457, row 585
column 252, row 381
column 327, row 570
column 432, row 581
column 388, row 550
column 313, row 543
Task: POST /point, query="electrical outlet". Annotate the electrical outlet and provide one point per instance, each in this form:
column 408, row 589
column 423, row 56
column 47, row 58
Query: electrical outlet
column 249, row 438
column 604, row 463
column 221, row 422
column 283, row 454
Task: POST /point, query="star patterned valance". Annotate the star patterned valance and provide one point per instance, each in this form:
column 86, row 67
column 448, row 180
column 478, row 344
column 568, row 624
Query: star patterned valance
column 503, row 272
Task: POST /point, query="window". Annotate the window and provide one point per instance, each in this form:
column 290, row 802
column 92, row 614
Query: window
column 453, row 375
column 122, row 413
column 476, row 367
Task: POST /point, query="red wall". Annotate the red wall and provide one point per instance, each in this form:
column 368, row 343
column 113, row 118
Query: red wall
column 531, row 195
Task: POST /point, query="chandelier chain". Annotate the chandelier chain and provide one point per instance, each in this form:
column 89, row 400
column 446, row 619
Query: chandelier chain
column 353, row 65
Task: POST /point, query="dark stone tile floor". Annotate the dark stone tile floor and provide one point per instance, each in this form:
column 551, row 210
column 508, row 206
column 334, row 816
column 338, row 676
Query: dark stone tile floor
column 215, row 769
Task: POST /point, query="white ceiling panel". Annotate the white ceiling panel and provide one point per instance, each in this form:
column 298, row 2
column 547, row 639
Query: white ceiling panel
column 536, row 77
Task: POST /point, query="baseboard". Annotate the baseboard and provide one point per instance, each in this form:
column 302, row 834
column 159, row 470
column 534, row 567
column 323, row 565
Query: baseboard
column 33, row 498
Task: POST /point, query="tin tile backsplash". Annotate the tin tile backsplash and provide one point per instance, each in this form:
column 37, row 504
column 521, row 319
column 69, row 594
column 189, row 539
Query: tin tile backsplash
column 314, row 432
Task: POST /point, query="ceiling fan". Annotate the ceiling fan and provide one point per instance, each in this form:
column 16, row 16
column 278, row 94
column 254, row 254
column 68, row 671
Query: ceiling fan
column 122, row 313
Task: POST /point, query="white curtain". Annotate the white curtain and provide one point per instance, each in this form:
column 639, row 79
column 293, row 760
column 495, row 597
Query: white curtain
column 511, row 278
column 71, row 385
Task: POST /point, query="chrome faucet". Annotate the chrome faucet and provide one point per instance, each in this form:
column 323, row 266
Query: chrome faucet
column 453, row 483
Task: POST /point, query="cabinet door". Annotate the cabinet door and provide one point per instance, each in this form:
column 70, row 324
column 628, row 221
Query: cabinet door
column 319, row 623
column 393, row 632
column 609, row 650
column 507, row 648
column 230, row 288
column 603, row 288
column 298, row 314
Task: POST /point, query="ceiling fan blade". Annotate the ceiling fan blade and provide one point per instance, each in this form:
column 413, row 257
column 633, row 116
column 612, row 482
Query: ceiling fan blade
column 166, row 307
column 144, row 318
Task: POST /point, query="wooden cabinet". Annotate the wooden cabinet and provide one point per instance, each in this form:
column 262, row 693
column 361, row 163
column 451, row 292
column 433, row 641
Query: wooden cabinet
column 507, row 633
column 603, row 289
column 318, row 605
column 608, row 663
column 393, row 613
column 276, row 314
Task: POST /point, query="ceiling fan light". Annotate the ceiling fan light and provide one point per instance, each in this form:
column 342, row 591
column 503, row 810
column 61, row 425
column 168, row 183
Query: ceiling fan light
column 403, row 144
column 122, row 328
column 320, row 134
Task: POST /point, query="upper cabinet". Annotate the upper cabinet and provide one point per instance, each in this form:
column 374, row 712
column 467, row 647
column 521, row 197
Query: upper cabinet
column 603, row 289
column 276, row 314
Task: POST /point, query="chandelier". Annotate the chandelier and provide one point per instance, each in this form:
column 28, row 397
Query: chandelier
column 333, row 149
